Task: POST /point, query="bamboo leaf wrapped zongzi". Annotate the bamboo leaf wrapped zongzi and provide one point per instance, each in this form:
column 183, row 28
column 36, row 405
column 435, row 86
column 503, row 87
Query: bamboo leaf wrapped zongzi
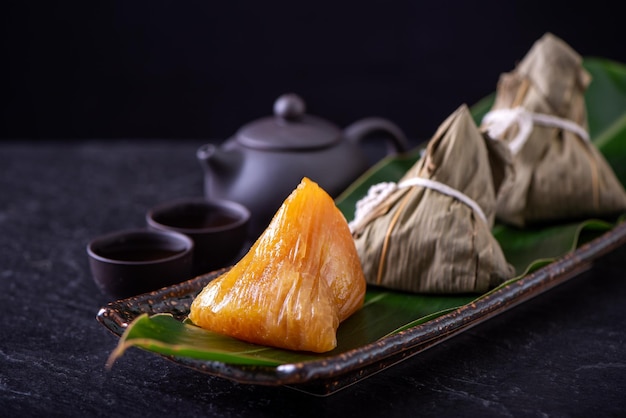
column 540, row 113
column 431, row 233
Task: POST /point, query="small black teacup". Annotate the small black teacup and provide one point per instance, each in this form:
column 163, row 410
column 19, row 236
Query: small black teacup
column 218, row 228
column 130, row 262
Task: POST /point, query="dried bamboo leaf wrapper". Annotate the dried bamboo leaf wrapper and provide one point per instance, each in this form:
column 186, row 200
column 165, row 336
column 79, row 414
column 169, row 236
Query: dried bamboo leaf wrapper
column 457, row 255
column 421, row 240
column 559, row 175
column 448, row 160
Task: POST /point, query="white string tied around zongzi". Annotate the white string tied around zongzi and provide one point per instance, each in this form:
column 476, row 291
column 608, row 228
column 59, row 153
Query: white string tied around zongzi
column 379, row 192
column 498, row 121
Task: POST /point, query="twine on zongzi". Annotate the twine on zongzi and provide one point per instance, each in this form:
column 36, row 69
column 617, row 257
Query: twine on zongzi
column 499, row 121
column 379, row 192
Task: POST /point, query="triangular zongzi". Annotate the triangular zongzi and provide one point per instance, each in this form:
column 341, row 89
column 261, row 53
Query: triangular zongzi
column 431, row 233
column 300, row 279
column 540, row 112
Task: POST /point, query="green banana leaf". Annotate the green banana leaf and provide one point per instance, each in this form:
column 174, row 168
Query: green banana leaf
column 387, row 312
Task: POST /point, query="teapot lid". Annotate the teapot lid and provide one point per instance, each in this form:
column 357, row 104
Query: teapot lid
column 289, row 129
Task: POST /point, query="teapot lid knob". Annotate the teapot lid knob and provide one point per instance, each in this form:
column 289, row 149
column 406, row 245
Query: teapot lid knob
column 289, row 106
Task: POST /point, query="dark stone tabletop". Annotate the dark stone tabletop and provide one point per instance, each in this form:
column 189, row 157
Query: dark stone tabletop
column 560, row 354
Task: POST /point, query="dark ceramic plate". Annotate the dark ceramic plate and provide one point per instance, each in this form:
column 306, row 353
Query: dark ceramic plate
column 329, row 374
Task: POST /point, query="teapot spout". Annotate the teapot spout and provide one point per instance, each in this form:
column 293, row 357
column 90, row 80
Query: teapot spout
column 220, row 169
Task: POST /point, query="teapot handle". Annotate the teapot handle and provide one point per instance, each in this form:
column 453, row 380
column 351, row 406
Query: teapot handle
column 396, row 140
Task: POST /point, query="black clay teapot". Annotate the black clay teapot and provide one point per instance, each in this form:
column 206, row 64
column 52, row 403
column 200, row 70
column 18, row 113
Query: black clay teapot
column 266, row 159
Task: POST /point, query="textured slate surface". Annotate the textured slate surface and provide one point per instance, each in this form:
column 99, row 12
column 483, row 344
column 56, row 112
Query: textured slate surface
column 561, row 354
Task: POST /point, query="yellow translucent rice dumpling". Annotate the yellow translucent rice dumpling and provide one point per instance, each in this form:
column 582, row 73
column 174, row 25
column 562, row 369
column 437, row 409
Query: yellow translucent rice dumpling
column 299, row 280
column 540, row 113
column 431, row 232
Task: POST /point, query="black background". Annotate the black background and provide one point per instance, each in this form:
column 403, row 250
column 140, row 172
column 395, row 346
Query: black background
column 201, row 69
